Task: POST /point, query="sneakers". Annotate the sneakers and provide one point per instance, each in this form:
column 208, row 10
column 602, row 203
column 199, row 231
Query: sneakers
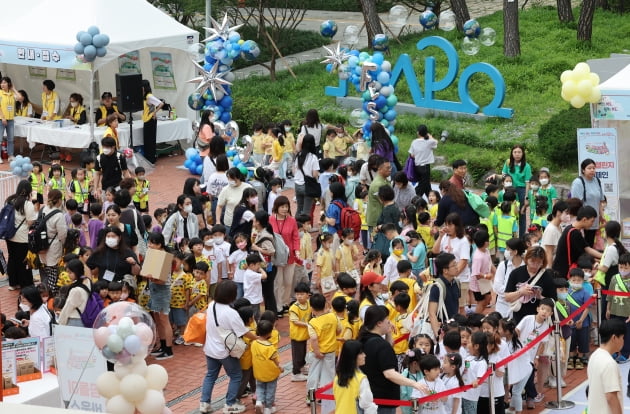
column 179, row 341
column 204, row 407
column 259, row 408
column 539, row 398
column 164, row 355
column 299, row 378
column 580, row 365
column 562, row 383
column 570, row 364
column 157, row 352
column 234, row 408
column 267, row 411
column 552, row 382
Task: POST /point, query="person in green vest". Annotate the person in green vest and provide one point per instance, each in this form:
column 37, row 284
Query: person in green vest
column 580, row 339
column 492, row 202
column 141, row 196
column 505, row 227
column 563, row 310
column 618, row 307
column 57, row 181
column 38, row 182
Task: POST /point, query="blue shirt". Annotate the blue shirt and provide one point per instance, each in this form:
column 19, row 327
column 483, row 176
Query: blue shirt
column 334, row 211
column 451, row 296
column 580, row 297
column 420, row 251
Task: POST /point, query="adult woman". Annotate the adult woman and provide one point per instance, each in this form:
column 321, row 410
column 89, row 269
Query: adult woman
column 17, row 246
column 160, row 304
column 192, row 189
column 403, row 191
column 56, row 230
column 206, row 132
column 151, row 106
column 351, row 387
column 452, row 239
column 305, row 164
column 454, row 201
column 50, row 101
column 514, row 249
column 129, row 216
column 521, row 172
column 530, row 283
column 553, row 232
column 286, row 226
column 262, row 242
column 221, row 314
column 421, row 150
column 30, row 300
column 8, row 96
column 244, row 213
column 588, row 188
column 112, row 259
column 310, row 126
column 78, row 115
column 23, row 106
column 380, row 360
column 217, row 181
column 112, row 215
column 216, row 147
column 382, row 145
column 368, row 170
column 230, row 196
column 182, row 223
column 77, row 295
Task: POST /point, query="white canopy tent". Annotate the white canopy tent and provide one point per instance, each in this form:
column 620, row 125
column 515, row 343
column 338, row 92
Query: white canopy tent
column 42, row 34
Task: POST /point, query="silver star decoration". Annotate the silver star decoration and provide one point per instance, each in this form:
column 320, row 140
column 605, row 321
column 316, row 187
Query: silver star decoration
column 210, row 79
column 220, row 30
column 336, row 56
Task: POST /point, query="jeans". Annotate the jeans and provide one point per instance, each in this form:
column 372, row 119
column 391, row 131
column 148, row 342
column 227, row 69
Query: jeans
column 240, row 292
column 522, row 218
column 516, row 401
column 266, row 392
column 304, row 203
column 283, row 285
column 232, row 369
column 469, row 407
column 10, row 128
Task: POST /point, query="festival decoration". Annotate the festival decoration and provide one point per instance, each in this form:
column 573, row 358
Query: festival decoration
column 580, row 86
column 398, row 16
column 91, row 44
column 193, row 162
column 471, row 45
column 21, row 166
column 380, row 42
column 488, row 36
column 335, row 57
column 472, row 28
column 222, row 30
column 447, row 21
column 428, row 20
column 212, row 80
column 328, row 28
column 351, row 35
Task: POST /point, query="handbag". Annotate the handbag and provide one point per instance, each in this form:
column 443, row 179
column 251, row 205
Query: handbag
column 410, row 169
column 234, row 344
column 516, row 305
column 196, row 328
column 312, row 187
column 571, row 265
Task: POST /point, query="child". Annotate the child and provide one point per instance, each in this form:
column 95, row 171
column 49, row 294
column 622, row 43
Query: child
column 430, row 367
column 424, row 229
column 492, row 203
column 79, row 190
column 213, row 255
column 372, row 262
column 351, row 387
column 112, row 129
column 55, row 159
column 505, row 227
column 199, row 292
column 304, row 265
column 547, row 189
column 507, row 184
column 347, row 287
column 88, row 164
column 277, row 151
column 218, row 235
column 390, row 270
column 531, row 198
column 252, row 281
column 95, row 224
column 289, row 149
column 38, row 182
column 109, row 198
column 399, row 334
column 101, row 286
column 411, row 371
column 405, row 276
column 520, row 369
column 491, row 190
column 196, row 247
column 57, row 181
column 245, row 311
column 334, row 147
column 338, row 306
column 238, row 265
column 266, row 365
column 141, row 196
column 325, row 263
column 347, row 254
column 417, row 253
column 452, row 378
column 352, row 323
column 451, row 342
column 160, row 216
column 299, row 316
column 617, row 309
column 268, row 140
column 77, row 224
column 272, row 317
column 360, row 205
column 495, row 354
column 563, row 308
column 114, row 290
column 181, row 285
column 540, row 216
column 434, row 199
column 323, row 330
column 476, row 364
column 482, row 271
column 257, row 142
column 275, row 184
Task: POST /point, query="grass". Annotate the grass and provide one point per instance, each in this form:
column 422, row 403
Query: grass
column 533, row 88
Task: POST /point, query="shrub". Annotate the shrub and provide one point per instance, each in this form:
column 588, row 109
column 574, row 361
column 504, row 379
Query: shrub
column 557, row 137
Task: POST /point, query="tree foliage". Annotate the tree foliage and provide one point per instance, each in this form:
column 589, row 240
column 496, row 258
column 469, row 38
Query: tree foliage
column 187, row 12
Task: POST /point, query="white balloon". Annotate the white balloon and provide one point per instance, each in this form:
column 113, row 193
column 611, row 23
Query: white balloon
column 157, row 377
column 138, row 364
column 153, row 403
column 122, row 370
column 229, row 77
column 108, row 384
column 218, row 95
column 386, row 91
column 386, row 66
column 133, row 387
column 119, row 405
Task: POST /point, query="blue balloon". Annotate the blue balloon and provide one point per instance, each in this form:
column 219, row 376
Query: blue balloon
column 105, row 39
column 329, row 67
column 328, row 28
column 378, row 58
column 188, row 163
column 27, row 167
column 354, row 52
column 89, row 53
column 390, row 128
column 394, row 140
column 78, row 48
column 226, row 117
column 101, row 51
column 226, row 101
column 380, row 101
column 196, row 158
column 472, row 28
column 108, row 354
column 133, row 344
column 99, row 40
column 383, row 78
column 199, row 169
column 390, row 115
column 93, row 30
column 86, row 39
column 190, row 153
column 195, row 101
column 79, row 34
column 236, row 162
column 353, row 61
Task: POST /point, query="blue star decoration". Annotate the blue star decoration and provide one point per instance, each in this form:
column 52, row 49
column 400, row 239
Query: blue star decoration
column 335, row 56
column 212, row 79
column 220, row 30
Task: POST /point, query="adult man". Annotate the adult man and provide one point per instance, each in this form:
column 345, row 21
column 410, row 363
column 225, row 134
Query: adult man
column 459, row 173
column 421, row 150
column 110, row 168
column 107, row 108
column 374, row 208
column 604, row 377
column 446, row 265
column 573, row 239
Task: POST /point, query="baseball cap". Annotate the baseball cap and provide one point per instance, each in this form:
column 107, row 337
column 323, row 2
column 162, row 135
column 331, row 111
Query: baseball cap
column 106, row 95
column 369, row 278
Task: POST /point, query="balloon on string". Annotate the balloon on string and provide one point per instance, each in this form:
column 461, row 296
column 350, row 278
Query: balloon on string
column 380, row 42
column 328, row 28
column 428, row 20
column 91, row 44
column 472, row 28
column 398, row 16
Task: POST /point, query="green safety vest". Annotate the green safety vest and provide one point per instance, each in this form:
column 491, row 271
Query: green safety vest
column 81, row 194
column 505, row 225
column 620, row 284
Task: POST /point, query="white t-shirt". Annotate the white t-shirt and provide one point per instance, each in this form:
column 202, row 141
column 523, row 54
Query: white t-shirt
column 216, row 182
column 422, row 151
column 271, row 198
column 209, row 167
column 252, row 287
column 434, row 407
column 390, row 270
column 497, row 382
column 225, row 249
column 364, row 174
column 229, row 199
column 21, row 235
column 460, row 248
column 551, row 236
column 238, row 258
column 610, row 256
column 449, row 384
column 315, row 131
column 478, row 367
column 501, row 277
column 528, row 330
column 228, row 319
column 215, row 256
column 310, row 164
column 39, row 323
column 604, row 376
column 518, row 368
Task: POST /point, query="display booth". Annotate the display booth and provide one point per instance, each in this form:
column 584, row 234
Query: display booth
column 38, row 38
column 611, row 116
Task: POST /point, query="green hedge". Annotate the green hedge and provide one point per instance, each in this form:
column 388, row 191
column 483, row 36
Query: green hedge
column 345, row 5
column 557, row 137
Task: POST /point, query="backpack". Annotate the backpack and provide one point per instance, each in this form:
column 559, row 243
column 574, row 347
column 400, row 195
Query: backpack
column 418, row 320
column 281, row 256
column 93, row 307
column 349, row 219
column 7, row 222
column 118, row 158
column 477, row 204
column 38, row 233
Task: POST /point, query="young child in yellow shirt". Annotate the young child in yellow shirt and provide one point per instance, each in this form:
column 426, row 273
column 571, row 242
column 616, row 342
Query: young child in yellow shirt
column 299, row 315
column 267, row 369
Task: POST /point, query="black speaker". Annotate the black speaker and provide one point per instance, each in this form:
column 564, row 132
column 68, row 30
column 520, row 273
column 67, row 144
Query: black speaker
column 129, row 92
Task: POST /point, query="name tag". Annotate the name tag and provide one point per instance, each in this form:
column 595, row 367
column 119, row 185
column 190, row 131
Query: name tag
column 109, row 275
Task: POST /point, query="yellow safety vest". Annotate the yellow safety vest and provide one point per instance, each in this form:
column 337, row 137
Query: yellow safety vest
column 81, row 193
column 347, row 398
column 140, row 196
column 38, row 182
column 505, row 225
column 299, row 333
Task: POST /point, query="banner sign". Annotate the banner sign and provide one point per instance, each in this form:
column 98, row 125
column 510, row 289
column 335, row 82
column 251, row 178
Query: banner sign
column 614, row 106
column 34, row 54
column 129, row 62
column 162, row 68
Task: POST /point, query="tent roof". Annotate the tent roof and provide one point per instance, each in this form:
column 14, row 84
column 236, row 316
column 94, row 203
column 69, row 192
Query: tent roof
column 618, row 82
column 43, row 32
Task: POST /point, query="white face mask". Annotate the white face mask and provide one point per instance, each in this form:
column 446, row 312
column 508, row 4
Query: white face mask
column 218, row 240
column 287, row 129
column 348, row 241
column 74, row 104
column 301, row 233
column 544, row 181
column 107, row 151
column 188, row 208
column 587, row 276
column 575, row 286
column 232, row 183
column 208, row 242
column 124, row 296
column 111, row 241
column 253, row 201
column 24, row 307
column 535, row 187
column 507, row 184
column 507, row 254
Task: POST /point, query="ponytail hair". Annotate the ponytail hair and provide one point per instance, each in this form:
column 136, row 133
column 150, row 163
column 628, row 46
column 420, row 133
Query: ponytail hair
column 481, row 340
column 509, row 325
column 613, row 230
column 456, row 359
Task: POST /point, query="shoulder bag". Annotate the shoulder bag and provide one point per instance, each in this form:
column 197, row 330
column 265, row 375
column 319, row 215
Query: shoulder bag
column 234, row 344
column 516, row 305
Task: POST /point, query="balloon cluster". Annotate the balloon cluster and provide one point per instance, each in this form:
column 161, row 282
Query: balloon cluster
column 476, row 36
column 21, row 166
column 328, row 28
column 580, row 86
column 91, row 44
column 193, row 162
column 124, row 333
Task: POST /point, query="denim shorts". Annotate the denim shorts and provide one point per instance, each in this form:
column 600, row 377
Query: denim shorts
column 178, row 317
column 160, row 300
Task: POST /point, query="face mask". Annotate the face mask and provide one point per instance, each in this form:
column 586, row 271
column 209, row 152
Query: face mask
column 241, row 245
column 401, row 224
column 535, row 187
column 575, row 286
column 253, row 201
column 124, row 296
column 507, row 184
column 141, row 177
column 587, row 275
column 107, row 151
column 385, row 296
column 74, row 104
column 544, row 181
column 340, row 135
column 563, row 295
column 24, row 307
column 111, row 242
column 188, row 208
column 277, row 190
column 508, row 255
column 301, row 233
column 218, row 240
column 348, row 241
column 208, row 242
column 398, row 252
column 624, row 272
column 287, row 129
column 232, row 183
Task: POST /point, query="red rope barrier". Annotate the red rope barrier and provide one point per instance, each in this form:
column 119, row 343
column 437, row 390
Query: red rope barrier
column 615, row 293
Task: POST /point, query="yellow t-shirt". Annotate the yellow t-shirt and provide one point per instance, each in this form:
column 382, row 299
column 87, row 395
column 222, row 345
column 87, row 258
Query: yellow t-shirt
column 325, row 328
column 257, row 142
column 425, row 233
column 325, row 262
column 413, row 291
column 143, row 296
column 110, row 132
column 289, row 143
column 401, row 346
column 306, row 246
column 265, row 360
column 200, row 287
column 392, row 310
column 7, row 104
column 351, row 329
column 376, row 269
column 362, row 210
column 433, row 211
column 180, row 283
column 346, row 397
column 246, row 358
column 300, row 313
column 339, row 293
column 331, row 148
column 276, row 151
column 344, row 257
column 268, row 144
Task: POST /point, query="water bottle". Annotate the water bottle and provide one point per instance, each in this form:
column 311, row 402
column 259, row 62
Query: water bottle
column 174, row 114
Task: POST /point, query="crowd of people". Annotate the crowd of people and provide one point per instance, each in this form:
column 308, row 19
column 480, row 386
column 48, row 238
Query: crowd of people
column 350, row 279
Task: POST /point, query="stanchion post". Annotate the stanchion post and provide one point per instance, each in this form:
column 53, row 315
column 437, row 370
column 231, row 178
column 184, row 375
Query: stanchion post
column 311, row 398
column 600, row 309
column 491, row 388
column 559, row 404
column 415, row 406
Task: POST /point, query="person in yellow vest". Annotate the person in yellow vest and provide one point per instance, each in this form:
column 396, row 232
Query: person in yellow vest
column 277, row 151
column 258, row 152
column 77, row 114
column 351, row 387
column 8, row 95
column 57, row 181
column 492, row 202
column 414, row 290
column 23, row 106
column 267, row 368
column 400, row 335
column 338, row 306
column 347, row 287
column 289, row 148
column 151, row 106
column 112, row 129
column 107, row 108
column 50, row 101
column 79, row 190
column 267, row 145
column 505, row 227
column 38, row 182
column 299, row 316
column 141, row 196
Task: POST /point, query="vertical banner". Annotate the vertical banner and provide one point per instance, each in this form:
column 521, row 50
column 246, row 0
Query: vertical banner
column 129, row 62
column 48, row 354
column 79, row 363
column 162, row 68
column 600, row 144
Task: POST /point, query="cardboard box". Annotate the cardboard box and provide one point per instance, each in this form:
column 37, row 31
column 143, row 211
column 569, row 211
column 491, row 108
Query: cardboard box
column 8, row 387
column 7, row 382
column 25, row 367
column 158, row 264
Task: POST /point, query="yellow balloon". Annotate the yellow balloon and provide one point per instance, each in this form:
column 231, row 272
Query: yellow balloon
column 569, row 89
column 595, row 96
column 566, row 75
column 565, row 96
column 577, row 101
column 240, row 42
column 594, row 78
column 582, row 69
column 584, row 88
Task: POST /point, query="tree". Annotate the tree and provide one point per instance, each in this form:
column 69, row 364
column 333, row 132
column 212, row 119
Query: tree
column 585, row 23
column 419, row 6
column 565, row 12
column 460, row 8
column 372, row 21
column 511, row 35
column 184, row 11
